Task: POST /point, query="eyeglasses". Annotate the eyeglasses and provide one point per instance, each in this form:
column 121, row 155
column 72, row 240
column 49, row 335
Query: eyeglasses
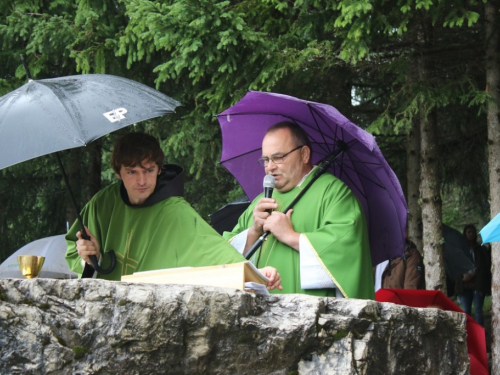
column 276, row 159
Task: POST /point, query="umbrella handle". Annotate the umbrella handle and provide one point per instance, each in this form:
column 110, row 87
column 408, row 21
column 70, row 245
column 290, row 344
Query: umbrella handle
column 87, row 270
column 107, row 271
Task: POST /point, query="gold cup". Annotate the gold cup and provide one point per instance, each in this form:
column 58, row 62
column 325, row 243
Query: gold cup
column 30, row 265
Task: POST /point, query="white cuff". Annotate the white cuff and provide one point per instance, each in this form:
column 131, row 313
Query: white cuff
column 379, row 270
column 312, row 273
column 239, row 241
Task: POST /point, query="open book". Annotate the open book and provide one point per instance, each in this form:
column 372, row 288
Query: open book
column 243, row 276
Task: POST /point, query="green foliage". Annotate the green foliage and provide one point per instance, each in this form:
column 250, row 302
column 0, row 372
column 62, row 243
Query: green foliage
column 206, row 43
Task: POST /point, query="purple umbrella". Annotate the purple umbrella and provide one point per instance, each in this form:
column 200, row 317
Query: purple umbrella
column 361, row 165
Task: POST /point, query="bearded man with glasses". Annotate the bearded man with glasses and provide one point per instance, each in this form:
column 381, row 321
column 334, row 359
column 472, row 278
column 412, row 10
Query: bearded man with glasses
column 321, row 245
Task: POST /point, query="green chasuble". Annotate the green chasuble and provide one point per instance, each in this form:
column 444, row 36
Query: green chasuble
column 334, row 225
column 167, row 234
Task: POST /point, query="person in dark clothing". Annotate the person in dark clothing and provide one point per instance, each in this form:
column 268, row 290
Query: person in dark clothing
column 475, row 285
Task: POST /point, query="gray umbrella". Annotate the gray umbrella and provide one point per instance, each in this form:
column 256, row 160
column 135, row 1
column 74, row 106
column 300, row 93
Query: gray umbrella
column 50, row 115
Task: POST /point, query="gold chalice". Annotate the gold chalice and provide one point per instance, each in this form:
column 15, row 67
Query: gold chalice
column 30, row 265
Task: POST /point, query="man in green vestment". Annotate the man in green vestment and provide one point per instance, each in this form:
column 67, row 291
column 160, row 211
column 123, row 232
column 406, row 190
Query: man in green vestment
column 321, row 245
column 145, row 220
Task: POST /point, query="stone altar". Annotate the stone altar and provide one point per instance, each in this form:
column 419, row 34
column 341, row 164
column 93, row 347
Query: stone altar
column 93, row 326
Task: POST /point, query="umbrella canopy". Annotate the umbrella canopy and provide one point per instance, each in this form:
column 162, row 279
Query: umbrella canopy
column 491, row 231
column 226, row 217
column 361, row 166
column 49, row 115
column 52, row 248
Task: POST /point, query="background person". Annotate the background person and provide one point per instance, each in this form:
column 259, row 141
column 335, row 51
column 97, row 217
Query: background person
column 405, row 272
column 145, row 220
column 475, row 285
column 321, row 245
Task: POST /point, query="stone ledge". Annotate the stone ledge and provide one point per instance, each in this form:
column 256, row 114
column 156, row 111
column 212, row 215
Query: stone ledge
column 101, row 327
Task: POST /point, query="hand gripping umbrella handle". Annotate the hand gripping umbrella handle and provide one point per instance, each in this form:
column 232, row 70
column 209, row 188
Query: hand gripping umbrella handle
column 88, row 271
column 341, row 147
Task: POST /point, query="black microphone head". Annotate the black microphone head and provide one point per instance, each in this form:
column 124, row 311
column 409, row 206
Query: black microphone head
column 268, row 181
column 268, row 186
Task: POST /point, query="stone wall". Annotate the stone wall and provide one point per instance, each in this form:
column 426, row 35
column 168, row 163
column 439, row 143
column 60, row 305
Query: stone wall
column 101, row 327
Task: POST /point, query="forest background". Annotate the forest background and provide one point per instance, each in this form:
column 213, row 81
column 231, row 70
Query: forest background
column 421, row 75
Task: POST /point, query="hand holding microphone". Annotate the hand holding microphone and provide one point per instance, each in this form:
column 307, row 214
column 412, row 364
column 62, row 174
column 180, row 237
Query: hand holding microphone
column 265, row 206
column 258, row 216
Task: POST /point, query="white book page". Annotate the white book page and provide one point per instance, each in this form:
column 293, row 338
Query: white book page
column 256, row 288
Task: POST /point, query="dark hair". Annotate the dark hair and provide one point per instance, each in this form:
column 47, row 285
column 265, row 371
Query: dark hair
column 470, row 226
column 299, row 135
column 133, row 148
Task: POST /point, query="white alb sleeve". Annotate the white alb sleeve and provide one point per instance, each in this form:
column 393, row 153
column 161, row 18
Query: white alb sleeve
column 239, row 241
column 379, row 270
column 312, row 273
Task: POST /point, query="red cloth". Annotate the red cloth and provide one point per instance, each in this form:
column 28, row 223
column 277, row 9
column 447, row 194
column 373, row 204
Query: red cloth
column 476, row 340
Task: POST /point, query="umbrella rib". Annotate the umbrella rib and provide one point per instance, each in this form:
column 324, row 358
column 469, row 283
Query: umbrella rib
column 240, row 155
column 314, row 115
column 347, row 166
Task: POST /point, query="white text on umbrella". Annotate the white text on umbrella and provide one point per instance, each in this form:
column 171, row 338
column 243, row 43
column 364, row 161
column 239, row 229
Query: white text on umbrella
column 115, row 115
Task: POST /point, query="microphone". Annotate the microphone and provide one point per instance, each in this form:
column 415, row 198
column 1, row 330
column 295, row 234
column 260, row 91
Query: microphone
column 268, row 184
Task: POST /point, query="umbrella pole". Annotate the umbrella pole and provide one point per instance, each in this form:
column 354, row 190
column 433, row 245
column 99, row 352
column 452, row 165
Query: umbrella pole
column 26, row 69
column 88, row 271
column 321, row 170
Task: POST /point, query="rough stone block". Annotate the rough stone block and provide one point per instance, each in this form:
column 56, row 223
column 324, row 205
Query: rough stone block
column 100, row 327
